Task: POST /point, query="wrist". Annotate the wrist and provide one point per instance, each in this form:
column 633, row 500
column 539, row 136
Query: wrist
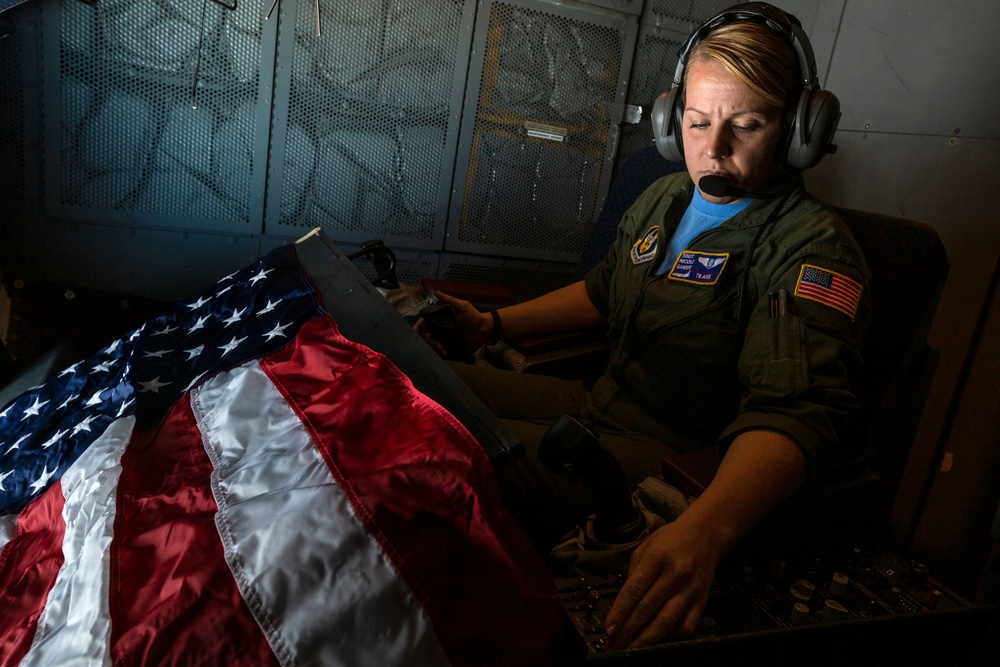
column 493, row 326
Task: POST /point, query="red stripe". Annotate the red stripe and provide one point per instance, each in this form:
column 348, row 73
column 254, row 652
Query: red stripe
column 29, row 565
column 426, row 491
column 826, row 296
column 172, row 594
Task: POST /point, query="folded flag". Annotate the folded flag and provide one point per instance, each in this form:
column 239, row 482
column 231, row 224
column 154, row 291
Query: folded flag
column 237, row 483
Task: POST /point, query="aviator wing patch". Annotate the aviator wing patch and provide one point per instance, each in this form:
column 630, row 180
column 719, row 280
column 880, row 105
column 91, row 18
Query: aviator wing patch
column 830, row 288
column 700, row 268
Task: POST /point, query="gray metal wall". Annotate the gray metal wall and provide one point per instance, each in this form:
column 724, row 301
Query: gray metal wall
column 156, row 145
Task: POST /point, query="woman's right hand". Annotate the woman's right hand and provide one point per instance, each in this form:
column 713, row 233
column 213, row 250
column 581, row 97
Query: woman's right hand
column 476, row 327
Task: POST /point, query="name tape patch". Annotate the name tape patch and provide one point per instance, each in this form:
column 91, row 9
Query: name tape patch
column 829, row 288
column 644, row 249
column 700, row 268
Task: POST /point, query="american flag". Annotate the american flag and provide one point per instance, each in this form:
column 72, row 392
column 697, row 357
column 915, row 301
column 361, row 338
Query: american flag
column 235, row 482
column 830, row 288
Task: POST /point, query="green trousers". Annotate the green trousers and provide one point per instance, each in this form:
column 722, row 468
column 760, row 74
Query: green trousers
column 547, row 503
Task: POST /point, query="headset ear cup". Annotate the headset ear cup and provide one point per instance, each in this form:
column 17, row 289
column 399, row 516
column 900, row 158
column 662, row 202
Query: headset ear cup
column 812, row 131
column 666, row 121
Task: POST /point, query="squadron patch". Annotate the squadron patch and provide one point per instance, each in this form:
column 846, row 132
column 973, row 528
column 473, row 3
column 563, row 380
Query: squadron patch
column 700, row 268
column 644, row 249
column 830, row 288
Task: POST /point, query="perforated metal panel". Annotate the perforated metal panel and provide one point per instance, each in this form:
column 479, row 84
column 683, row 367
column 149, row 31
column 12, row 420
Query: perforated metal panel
column 157, row 109
column 547, row 85
column 12, row 137
column 525, row 278
column 372, row 119
column 690, row 12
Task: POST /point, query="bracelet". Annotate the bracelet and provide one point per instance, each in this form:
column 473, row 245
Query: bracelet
column 495, row 337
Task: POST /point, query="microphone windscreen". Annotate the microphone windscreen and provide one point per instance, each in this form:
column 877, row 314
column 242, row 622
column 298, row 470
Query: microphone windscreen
column 718, row 186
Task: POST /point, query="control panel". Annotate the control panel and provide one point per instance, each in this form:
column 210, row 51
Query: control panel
column 779, row 591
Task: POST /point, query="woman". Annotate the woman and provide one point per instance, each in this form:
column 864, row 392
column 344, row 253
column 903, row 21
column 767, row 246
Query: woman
column 735, row 318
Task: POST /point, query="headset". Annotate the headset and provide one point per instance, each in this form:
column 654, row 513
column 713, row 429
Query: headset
column 811, row 121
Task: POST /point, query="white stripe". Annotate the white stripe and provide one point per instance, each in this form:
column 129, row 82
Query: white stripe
column 8, row 528
column 75, row 626
column 318, row 584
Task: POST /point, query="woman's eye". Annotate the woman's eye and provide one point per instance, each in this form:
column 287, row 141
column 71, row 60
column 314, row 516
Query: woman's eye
column 746, row 128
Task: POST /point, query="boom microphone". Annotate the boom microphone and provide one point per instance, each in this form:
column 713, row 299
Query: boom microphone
column 718, row 186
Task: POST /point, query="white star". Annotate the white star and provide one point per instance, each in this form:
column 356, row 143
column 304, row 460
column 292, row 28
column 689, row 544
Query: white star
column 269, row 307
column 111, row 348
column 200, row 324
column 43, row 480
column 193, row 352
column 164, row 331
column 194, row 382
column 153, row 385
column 158, row 354
column 224, row 289
column 278, row 330
column 136, row 333
column 95, row 399
column 71, row 369
column 125, row 405
column 259, row 276
column 224, row 278
column 3, row 476
column 231, row 345
column 53, row 440
column 17, row 444
column 4, row 413
column 33, row 411
column 197, row 304
column 235, row 317
column 84, row 425
column 102, row 367
column 68, row 401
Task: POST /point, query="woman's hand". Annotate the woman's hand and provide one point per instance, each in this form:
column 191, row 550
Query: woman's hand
column 669, row 579
column 475, row 327
column 671, row 573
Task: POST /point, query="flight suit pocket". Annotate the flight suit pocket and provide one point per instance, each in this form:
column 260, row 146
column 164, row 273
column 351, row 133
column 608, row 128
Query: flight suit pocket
column 785, row 369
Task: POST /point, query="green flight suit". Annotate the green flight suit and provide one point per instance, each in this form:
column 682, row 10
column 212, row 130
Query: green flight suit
column 682, row 367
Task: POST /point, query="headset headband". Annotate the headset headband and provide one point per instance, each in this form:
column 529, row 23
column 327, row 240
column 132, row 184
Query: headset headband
column 780, row 22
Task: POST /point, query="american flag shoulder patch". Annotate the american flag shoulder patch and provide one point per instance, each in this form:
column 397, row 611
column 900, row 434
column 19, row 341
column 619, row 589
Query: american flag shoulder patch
column 829, row 288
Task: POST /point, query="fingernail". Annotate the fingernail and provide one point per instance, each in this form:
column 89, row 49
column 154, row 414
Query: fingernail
column 611, row 630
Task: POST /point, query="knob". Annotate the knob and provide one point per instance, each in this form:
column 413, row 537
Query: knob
column 802, row 590
column 838, row 584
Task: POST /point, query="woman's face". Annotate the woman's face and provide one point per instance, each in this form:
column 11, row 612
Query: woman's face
column 729, row 130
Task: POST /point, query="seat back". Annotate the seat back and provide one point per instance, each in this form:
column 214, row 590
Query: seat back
column 637, row 173
column 909, row 266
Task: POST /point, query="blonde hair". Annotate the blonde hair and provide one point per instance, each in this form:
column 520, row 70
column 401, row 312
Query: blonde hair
column 757, row 55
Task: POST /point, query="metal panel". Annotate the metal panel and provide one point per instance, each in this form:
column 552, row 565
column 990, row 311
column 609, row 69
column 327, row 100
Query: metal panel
column 626, row 6
column 926, row 68
column 525, row 278
column 547, row 87
column 682, row 15
column 17, row 168
column 365, row 140
column 165, row 265
column 154, row 113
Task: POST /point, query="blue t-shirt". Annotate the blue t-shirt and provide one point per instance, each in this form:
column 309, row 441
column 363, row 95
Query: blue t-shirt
column 699, row 217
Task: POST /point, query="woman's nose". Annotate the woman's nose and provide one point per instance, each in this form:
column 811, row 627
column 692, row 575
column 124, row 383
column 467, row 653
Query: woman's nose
column 718, row 144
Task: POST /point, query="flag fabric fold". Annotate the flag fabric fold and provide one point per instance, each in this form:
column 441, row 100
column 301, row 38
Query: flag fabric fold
column 237, row 483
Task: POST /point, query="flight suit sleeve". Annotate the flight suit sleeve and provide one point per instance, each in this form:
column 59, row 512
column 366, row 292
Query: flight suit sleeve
column 802, row 351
